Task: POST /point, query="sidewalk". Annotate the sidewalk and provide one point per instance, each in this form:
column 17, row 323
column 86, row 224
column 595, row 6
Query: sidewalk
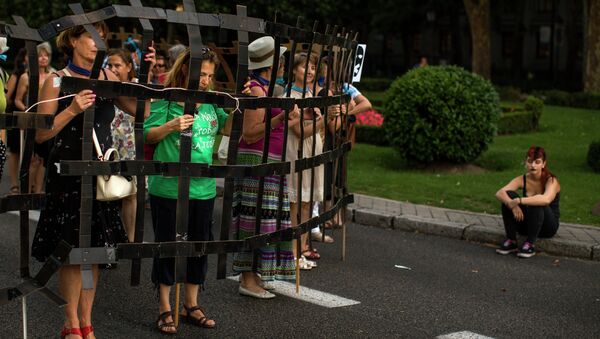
column 572, row 240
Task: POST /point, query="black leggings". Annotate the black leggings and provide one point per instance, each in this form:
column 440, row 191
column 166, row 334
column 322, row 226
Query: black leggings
column 538, row 221
column 199, row 229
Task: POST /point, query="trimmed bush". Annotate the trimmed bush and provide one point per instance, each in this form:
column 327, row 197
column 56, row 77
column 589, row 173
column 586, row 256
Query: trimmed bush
column 441, row 113
column 509, row 93
column 518, row 121
column 555, row 97
column 373, row 135
column 593, row 156
column 562, row 98
column 586, row 100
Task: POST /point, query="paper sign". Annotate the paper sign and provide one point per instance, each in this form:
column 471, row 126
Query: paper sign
column 361, row 50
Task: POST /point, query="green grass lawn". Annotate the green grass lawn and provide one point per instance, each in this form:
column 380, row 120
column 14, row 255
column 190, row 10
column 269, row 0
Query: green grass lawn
column 564, row 132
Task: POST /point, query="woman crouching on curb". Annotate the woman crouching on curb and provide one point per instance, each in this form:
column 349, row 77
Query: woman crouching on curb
column 535, row 213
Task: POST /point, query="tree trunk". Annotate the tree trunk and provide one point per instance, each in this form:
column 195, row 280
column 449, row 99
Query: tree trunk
column 478, row 12
column 591, row 82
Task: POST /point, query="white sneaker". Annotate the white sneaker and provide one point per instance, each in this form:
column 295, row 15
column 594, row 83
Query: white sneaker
column 304, row 265
column 307, row 262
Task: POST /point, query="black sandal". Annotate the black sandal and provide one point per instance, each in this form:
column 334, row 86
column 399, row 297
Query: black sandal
column 163, row 317
column 200, row 322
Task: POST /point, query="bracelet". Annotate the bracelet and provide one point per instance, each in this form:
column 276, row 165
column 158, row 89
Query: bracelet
column 520, row 201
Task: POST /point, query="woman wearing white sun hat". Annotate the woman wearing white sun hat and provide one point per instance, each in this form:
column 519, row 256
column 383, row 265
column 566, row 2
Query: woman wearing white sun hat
column 275, row 261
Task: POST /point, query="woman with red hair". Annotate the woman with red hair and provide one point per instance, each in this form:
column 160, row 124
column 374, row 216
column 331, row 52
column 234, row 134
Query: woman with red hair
column 535, row 213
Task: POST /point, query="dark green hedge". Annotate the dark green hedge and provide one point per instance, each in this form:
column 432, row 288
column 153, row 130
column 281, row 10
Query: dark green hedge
column 374, row 84
column 593, row 156
column 562, row 98
column 509, row 93
column 521, row 120
column 373, row 135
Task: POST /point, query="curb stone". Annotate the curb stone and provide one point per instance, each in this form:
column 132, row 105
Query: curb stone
column 565, row 247
column 373, row 218
column 596, row 252
column 429, row 226
column 484, row 234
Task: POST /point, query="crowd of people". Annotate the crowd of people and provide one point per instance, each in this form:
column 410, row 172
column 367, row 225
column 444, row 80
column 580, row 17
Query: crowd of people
column 311, row 131
column 113, row 222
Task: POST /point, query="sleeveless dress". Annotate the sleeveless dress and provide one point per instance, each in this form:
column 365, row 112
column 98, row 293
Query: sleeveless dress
column 13, row 135
column 291, row 155
column 276, row 261
column 59, row 219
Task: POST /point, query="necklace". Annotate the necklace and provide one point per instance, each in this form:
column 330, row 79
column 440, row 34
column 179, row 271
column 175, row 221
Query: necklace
column 78, row 70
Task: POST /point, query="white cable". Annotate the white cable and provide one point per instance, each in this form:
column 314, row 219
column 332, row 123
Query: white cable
column 237, row 102
column 55, row 99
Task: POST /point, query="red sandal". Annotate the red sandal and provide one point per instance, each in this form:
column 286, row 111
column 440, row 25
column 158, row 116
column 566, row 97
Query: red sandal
column 86, row 330
column 68, row 331
column 312, row 255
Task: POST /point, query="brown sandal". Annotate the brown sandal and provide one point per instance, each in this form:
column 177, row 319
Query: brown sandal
column 200, row 322
column 161, row 327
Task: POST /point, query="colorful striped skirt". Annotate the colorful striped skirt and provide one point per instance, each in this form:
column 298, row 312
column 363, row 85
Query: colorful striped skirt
column 275, row 261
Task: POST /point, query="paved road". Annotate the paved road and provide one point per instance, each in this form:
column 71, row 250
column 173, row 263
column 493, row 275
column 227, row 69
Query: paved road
column 452, row 286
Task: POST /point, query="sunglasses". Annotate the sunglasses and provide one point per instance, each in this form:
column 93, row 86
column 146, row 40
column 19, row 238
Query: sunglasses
column 161, row 66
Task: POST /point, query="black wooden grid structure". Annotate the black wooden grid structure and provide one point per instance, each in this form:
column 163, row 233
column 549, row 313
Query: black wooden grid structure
column 334, row 43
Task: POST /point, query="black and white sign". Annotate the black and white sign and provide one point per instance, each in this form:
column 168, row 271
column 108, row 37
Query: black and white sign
column 361, row 50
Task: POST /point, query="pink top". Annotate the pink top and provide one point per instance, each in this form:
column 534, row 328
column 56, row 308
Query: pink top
column 275, row 139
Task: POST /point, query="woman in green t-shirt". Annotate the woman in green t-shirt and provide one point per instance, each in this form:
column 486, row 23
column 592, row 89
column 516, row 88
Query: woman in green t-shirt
column 163, row 127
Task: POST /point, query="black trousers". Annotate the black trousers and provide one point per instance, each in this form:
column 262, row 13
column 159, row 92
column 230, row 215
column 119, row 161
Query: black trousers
column 199, row 229
column 538, row 221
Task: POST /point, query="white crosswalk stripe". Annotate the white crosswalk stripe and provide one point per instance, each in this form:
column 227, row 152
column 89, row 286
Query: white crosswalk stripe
column 462, row 335
column 34, row 215
column 308, row 294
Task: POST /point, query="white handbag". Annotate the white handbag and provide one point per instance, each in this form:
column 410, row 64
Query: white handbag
column 112, row 187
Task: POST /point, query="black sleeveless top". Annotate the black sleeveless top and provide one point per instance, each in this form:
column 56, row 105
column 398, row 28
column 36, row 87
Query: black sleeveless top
column 60, row 217
column 68, row 142
column 554, row 205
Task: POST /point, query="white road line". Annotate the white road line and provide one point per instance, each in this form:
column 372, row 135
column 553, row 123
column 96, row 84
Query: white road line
column 34, row 215
column 308, row 294
column 462, row 335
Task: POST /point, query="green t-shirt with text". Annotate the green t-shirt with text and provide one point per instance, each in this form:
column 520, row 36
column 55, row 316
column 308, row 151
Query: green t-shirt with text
column 208, row 121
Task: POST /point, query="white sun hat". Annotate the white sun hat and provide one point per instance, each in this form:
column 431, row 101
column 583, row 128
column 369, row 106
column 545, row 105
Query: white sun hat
column 260, row 53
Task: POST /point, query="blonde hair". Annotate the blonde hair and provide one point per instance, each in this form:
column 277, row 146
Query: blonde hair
column 177, row 76
column 45, row 46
